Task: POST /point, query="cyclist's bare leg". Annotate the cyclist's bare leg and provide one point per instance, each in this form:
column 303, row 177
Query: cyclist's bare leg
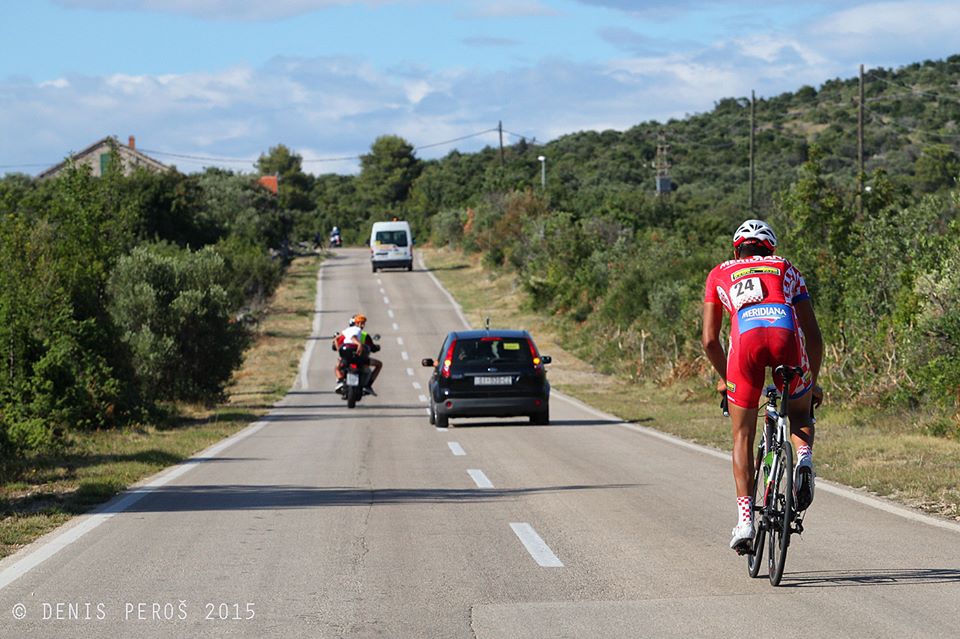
column 744, row 433
column 801, row 426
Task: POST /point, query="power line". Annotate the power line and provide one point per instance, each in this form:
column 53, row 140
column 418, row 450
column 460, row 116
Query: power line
column 913, row 91
column 234, row 160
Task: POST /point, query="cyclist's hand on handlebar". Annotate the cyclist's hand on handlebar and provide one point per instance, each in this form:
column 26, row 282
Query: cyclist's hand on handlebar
column 817, row 396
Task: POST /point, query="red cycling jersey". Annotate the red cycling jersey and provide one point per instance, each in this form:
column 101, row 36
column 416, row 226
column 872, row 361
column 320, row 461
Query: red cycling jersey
column 759, row 293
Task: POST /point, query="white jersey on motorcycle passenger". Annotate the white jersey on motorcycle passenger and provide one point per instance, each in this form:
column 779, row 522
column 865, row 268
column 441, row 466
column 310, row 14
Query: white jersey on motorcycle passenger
column 350, row 333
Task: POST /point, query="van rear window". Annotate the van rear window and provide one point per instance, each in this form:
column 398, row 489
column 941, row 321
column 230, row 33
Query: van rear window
column 492, row 351
column 397, row 238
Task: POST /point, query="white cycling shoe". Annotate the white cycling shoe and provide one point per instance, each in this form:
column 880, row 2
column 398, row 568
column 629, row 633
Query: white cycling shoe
column 742, row 540
column 804, row 483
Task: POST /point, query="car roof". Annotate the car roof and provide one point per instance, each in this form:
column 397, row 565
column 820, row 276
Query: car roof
column 493, row 332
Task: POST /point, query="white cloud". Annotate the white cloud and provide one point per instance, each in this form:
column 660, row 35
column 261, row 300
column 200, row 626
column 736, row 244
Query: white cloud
column 881, row 32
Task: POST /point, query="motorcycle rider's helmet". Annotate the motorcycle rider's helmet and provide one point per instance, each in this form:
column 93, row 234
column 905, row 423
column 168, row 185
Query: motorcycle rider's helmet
column 755, row 232
column 359, row 319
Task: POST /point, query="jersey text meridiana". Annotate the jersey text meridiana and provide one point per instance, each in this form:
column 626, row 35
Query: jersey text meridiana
column 758, row 292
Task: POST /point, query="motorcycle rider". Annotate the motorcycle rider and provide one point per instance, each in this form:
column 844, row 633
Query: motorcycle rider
column 355, row 336
column 335, row 236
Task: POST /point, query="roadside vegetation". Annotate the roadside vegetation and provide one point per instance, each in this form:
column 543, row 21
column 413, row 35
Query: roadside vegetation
column 90, row 467
column 894, row 452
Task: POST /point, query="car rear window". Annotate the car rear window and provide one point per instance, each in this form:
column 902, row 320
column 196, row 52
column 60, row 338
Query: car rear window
column 487, row 351
column 397, row 238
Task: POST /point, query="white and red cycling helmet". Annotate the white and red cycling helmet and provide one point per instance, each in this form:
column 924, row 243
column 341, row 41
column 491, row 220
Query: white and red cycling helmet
column 755, row 231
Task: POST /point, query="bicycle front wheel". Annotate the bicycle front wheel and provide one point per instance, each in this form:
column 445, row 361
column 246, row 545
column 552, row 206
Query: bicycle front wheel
column 780, row 512
column 755, row 558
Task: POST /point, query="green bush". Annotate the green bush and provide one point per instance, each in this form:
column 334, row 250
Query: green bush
column 174, row 312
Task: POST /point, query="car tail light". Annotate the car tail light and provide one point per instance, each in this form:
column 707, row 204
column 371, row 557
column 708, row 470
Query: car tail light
column 448, row 360
column 449, row 404
column 537, row 364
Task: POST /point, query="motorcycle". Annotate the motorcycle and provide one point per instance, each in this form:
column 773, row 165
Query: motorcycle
column 335, row 241
column 357, row 372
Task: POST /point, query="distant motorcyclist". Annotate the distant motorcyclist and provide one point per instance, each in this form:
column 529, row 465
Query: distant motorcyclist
column 335, row 237
column 354, row 336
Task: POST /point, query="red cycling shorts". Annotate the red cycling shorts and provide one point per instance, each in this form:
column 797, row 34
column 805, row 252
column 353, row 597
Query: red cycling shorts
column 752, row 352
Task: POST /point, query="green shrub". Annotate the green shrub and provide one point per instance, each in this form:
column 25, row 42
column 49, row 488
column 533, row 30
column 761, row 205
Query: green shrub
column 175, row 316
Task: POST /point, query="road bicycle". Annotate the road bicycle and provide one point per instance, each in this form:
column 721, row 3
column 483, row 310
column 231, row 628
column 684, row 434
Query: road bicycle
column 775, row 514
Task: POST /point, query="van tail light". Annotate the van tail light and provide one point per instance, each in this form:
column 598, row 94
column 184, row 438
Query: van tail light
column 448, row 360
column 537, row 364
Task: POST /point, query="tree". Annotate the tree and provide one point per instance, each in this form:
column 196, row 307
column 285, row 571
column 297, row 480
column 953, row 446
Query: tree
column 387, row 172
column 937, row 167
column 294, row 185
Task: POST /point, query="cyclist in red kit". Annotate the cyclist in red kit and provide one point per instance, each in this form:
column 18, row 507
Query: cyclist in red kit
column 771, row 323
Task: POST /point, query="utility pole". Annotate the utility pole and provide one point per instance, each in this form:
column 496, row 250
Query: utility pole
column 500, row 129
column 860, row 148
column 753, row 128
column 664, row 184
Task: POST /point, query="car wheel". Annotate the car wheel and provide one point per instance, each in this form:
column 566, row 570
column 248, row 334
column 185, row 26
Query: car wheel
column 410, row 266
column 542, row 418
column 433, row 412
column 374, row 267
column 442, row 421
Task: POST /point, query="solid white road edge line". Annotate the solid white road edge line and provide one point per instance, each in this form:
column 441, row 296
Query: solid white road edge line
column 315, row 332
column 830, row 487
column 443, row 290
column 456, row 449
column 535, row 545
column 49, row 545
column 822, row 484
column 479, row 478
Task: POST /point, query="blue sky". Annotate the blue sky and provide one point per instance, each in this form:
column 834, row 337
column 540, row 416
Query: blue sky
column 227, row 79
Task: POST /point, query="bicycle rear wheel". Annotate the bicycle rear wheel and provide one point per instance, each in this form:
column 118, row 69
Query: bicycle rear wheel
column 780, row 512
column 755, row 558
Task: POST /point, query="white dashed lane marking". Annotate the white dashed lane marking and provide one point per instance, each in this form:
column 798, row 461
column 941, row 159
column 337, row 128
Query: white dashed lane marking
column 390, row 313
column 405, row 355
column 410, row 372
column 423, row 399
column 386, row 300
column 417, row 385
column 479, row 478
column 456, row 449
column 535, row 545
column 400, row 341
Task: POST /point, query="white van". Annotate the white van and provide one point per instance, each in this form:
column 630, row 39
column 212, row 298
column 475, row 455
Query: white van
column 391, row 245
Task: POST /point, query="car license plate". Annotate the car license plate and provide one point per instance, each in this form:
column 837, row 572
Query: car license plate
column 353, row 379
column 500, row 380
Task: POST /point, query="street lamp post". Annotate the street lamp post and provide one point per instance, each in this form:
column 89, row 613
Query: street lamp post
column 543, row 171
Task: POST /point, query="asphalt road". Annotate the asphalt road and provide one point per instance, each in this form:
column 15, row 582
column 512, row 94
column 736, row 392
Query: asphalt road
column 321, row 521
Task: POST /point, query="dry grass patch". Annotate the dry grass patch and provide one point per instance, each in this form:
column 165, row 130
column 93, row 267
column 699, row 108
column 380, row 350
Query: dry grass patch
column 96, row 466
column 888, row 453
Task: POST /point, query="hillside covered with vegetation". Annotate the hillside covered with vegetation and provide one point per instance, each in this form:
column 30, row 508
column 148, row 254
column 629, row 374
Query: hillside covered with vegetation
column 121, row 294
column 598, row 249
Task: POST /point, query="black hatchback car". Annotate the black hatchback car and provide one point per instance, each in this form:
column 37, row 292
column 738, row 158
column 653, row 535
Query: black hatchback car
column 489, row 373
